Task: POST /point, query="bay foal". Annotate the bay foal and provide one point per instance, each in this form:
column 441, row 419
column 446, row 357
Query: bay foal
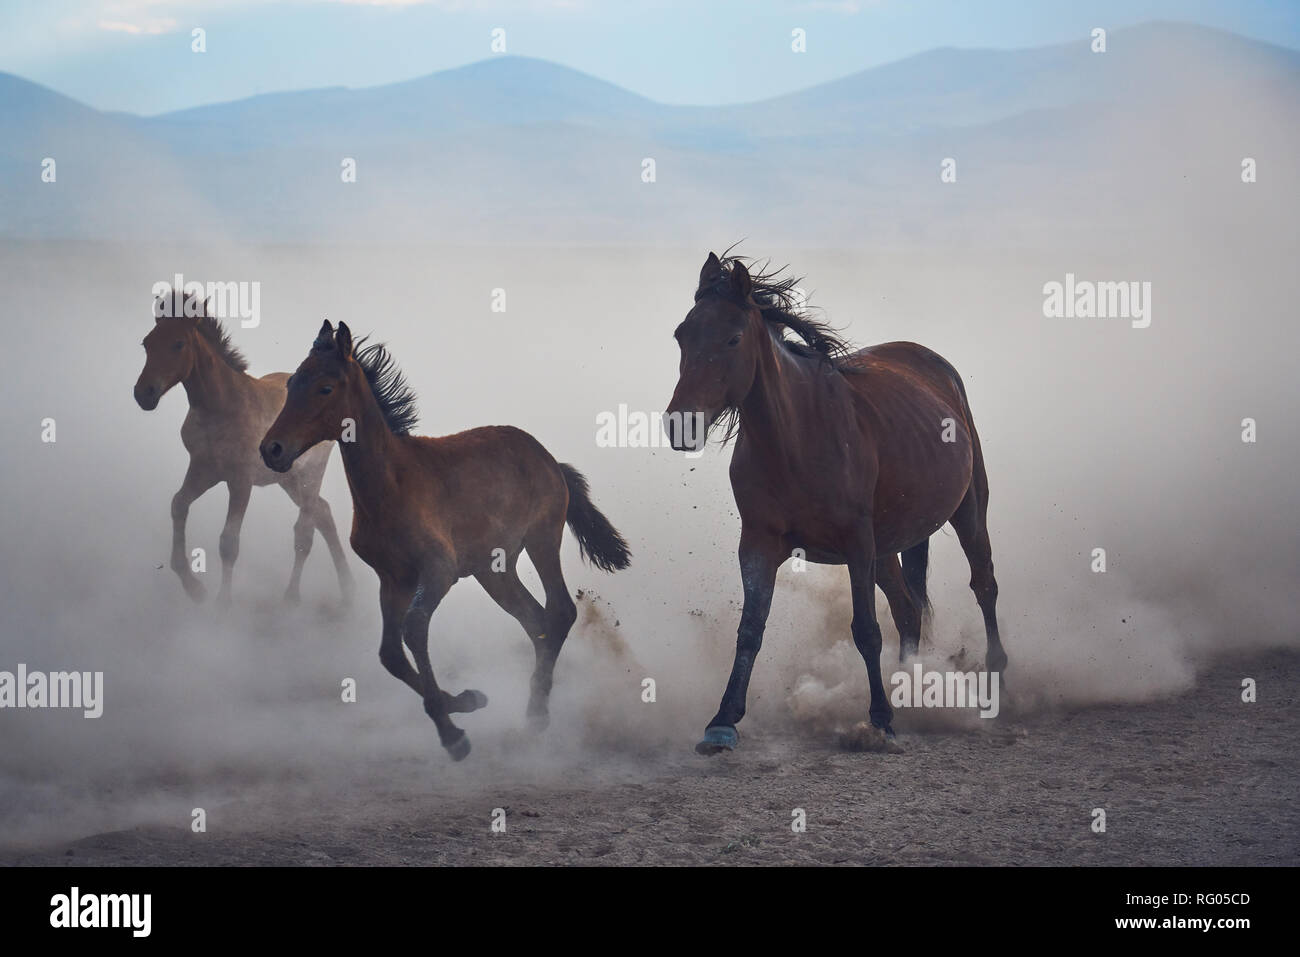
column 430, row 511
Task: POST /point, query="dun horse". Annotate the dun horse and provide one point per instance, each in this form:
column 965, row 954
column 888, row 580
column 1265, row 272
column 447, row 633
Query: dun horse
column 229, row 411
column 852, row 457
column 430, row 511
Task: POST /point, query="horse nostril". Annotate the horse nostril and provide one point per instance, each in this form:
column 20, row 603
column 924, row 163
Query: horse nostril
column 274, row 450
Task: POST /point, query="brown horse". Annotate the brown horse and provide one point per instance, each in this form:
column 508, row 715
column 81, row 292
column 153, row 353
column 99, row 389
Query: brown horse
column 430, row 511
column 229, row 411
column 851, row 457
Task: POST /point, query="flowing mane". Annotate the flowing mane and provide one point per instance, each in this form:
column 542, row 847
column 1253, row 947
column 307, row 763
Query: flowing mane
column 783, row 308
column 184, row 305
column 395, row 397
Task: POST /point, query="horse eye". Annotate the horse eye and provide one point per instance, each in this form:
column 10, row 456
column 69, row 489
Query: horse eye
column 178, row 346
column 734, row 340
column 326, row 389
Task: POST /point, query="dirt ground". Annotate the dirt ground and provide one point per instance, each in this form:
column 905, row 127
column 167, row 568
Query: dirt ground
column 1197, row 779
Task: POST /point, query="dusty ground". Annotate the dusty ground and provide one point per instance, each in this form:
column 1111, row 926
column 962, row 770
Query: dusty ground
column 1196, row 779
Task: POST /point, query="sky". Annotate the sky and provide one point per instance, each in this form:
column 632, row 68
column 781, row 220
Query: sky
column 135, row 55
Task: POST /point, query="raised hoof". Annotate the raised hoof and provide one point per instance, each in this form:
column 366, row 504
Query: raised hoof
column 717, row 738
column 459, row 749
column 471, row 700
column 197, row 591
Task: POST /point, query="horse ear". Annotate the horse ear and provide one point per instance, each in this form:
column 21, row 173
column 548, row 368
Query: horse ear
column 344, row 341
column 324, row 338
column 740, row 281
column 711, row 272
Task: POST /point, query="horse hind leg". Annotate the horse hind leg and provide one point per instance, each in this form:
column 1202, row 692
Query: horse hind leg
column 558, row 617
column 505, row 588
column 902, row 605
column 972, row 531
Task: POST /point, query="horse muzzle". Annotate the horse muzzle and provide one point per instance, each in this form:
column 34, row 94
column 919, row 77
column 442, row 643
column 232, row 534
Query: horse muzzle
column 147, row 396
column 687, row 431
column 276, row 456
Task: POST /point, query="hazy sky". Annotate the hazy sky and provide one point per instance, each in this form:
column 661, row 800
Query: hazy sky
column 135, row 55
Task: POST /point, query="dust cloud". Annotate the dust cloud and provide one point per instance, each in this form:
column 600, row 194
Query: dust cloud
column 1096, row 435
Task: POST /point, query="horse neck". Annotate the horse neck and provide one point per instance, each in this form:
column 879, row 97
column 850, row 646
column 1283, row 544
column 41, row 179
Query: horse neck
column 366, row 460
column 784, row 404
column 771, row 407
column 212, row 381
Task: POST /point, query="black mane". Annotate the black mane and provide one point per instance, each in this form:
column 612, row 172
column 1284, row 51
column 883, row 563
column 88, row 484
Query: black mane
column 395, row 397
column 783, row 308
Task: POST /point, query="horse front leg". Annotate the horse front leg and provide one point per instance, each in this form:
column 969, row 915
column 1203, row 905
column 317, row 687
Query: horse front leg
column 433, row 585
column 198, row 480
column 760, row 557
column 239, row 494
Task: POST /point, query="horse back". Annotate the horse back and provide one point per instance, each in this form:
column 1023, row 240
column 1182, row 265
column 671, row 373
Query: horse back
column 465, row 494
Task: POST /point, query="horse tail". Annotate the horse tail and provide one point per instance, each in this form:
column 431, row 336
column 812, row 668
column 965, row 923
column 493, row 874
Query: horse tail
column 598, row 540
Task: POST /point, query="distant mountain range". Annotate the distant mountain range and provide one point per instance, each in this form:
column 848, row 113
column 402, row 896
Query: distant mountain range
column 520, row 150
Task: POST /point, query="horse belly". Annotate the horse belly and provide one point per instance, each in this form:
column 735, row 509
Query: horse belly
column 906, row 517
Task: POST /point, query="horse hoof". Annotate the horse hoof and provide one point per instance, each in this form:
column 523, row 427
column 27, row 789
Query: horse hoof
column 459, row 749
column 195, row 589
column 292, row 598
column 539, row 721
column 717, row 738
column 472, row 700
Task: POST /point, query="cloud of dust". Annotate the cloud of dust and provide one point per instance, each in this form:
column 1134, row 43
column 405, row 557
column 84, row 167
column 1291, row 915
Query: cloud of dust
column 1096, row 435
